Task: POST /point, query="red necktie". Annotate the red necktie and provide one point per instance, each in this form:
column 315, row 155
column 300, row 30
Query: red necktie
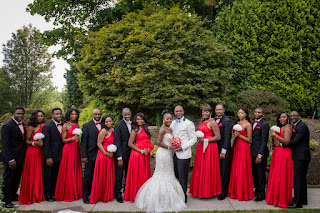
column 257, row 122
column 59, row 124
column 21, row 123
column 294, row 126
column 217, row 118
column 98, row 123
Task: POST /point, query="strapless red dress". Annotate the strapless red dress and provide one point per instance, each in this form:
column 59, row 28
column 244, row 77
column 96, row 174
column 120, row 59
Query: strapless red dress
column 69, row 181
column 31, row 190
column 206, row 180
column 280, row 182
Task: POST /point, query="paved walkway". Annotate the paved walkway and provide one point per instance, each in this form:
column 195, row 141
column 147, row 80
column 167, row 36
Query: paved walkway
column 194, row 204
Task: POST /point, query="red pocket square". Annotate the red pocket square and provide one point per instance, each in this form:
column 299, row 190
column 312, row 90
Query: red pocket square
column 257, row 127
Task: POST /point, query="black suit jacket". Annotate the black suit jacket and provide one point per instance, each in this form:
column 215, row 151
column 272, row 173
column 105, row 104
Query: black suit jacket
column 225, row 126
column 52, row 143
column 13, row 144
column 260, row 136
column 89, row 148
column 300, row 142
column 121, row 138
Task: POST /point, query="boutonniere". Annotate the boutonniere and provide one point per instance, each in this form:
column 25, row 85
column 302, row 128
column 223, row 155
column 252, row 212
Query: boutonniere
column 293, row 130
column 257, row 127
column 220, row 125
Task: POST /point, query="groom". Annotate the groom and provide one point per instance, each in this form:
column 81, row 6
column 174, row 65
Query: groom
column 184, row 129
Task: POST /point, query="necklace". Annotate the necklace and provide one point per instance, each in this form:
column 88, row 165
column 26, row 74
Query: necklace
column 167, row 127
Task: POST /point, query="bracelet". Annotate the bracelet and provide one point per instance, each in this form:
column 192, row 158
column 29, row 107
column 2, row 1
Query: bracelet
column 276, row 137
column 168, row 147
column 32, row 144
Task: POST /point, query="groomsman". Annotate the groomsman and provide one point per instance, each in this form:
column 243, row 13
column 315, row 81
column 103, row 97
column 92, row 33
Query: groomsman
column 185, row 130
column 259, row 153
column 224, row 148
column 13, row 153
column 301, row 158
column 52, row 148
column 122, row 132
column 89, row 150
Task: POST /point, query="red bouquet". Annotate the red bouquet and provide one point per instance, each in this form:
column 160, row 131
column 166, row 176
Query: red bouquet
column 176, row 141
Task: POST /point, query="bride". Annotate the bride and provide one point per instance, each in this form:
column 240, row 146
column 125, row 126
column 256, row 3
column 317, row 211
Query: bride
column 162, row 192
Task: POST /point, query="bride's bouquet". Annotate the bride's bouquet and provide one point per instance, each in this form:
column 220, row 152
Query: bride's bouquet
column 176, row 141
column 111, row 148
column 77, row 131
column 237, row 127
column 38, row 136
column 199, row 134
column 275, row 129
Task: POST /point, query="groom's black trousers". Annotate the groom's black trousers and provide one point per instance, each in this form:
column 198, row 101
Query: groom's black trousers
column 181, row 168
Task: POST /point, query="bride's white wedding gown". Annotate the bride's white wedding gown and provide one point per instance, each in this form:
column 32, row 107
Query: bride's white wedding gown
column 162, row 192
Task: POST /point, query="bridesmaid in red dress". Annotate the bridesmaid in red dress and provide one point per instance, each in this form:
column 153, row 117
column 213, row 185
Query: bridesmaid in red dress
column 139, row 170
column 104, row 175
column 69, row 181
column 280, row 183
column 31, row 190
column 205, row 180
column 241, row 180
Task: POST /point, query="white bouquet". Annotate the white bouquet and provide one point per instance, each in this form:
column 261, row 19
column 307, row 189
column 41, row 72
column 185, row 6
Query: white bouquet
column 199, row 134
column 112, row 148
column 275, row 129
column 77, row 131
column 237, row 127
column 38, row 136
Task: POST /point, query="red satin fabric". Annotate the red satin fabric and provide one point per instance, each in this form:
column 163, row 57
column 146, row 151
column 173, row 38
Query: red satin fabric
column 139, row 170
column 206, row 180
column 280, row 183
column 104, row 175
column 241, row 180
column 31, row 190
column 69, row 181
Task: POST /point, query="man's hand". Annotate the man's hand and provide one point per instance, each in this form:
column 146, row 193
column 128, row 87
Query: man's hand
column 85, row 160
column 120, row 163
column 222, row 156
column 12, row 164
column 258, row 160
column 49, row 162
column 178, row 148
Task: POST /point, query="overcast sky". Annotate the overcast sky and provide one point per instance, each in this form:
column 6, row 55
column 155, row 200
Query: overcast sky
column 13, row 16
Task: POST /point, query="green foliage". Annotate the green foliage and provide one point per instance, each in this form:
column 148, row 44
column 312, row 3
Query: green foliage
column 276, row 48
column 74, row 96
column 29, row 65
column 154, row 60
column 6, row 103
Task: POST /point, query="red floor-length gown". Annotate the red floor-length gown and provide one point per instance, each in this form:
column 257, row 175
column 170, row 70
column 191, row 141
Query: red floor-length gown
column 139, row 170
column 206, row 180
column 280, row 183
column 31, row 190
column 241, row 180
column 69, row 181
column 104, row 175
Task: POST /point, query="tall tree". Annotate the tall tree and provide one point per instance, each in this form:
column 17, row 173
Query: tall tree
column 28, row 63
column 6, row 92
column 154, row 59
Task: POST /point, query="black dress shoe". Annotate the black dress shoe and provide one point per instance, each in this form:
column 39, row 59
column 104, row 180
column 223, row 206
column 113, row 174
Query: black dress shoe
column 258, row 199
column 294, row 206
column 86, row 200
column 120, row 199
column 9, row 205
column 221, row 197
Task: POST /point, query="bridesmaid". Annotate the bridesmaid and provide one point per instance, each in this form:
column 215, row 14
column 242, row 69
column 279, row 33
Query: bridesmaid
column 104, row 174
column 139, row 170
column 280, row 183
column 241, row 180
column 31, row 190
column 205, row 180
column 69, row 182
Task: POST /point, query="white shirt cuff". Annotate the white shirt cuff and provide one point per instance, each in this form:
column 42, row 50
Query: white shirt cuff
column 223, row 151
column 260, row 156
column 119, row 158
column 12, row 160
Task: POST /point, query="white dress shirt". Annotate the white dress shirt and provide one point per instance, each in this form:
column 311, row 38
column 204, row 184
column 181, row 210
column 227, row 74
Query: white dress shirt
column 97, row 125
column 20, row 126
column 58, row 127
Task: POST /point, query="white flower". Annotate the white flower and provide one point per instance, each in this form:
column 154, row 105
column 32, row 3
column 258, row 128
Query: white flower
column 237, row 127
column 77, row 131
column 275, row 129
column 112, row 148
column 199, row 134
column 38, row 136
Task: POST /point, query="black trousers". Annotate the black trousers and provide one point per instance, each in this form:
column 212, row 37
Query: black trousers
column 119, row 177
column 11, row 181
column 88, row 178
column 225, row 173
column 181, row 169
column 50, row 178
column 300, row 168
column 259, row 176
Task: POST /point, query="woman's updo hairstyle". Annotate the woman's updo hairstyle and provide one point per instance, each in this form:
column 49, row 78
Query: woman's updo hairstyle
column 164, row 112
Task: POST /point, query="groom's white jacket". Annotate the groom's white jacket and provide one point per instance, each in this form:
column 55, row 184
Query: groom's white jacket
column 188, row 137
